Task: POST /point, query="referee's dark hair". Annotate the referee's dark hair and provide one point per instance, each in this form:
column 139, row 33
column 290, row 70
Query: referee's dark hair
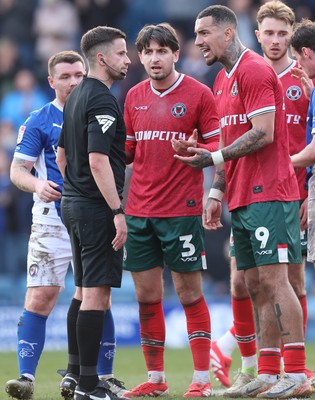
column 100, row 35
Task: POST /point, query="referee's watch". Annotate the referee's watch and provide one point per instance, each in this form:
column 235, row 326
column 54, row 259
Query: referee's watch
column 119, row 210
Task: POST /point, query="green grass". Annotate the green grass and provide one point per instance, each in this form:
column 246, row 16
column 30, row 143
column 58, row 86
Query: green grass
column 129, row 367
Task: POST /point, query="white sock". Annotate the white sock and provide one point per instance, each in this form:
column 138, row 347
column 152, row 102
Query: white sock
column 300, row 377
column 268, row 378
column 29, row 376
column 105, row 377
column 156, row 376
column 249, row 362
column 201, row 376
column 227, row 343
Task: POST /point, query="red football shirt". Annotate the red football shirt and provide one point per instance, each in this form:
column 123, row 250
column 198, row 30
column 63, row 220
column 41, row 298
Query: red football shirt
column 162, row 186
column 296, row 105
column 252, row 88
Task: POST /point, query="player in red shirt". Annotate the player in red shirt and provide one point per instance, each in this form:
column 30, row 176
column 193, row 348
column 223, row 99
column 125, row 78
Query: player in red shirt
column 254, row 169
column 164, row 204
column 275, row 25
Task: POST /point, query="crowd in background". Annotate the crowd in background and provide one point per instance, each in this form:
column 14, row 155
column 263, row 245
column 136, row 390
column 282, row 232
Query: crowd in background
column 31, row 31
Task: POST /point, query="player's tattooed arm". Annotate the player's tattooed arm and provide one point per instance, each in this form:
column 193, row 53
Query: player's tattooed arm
column 260, row 135
column 219, row 179
column 249, row 143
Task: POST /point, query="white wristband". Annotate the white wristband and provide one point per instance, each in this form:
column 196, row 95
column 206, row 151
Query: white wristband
column 217, row 157
column 216, row 194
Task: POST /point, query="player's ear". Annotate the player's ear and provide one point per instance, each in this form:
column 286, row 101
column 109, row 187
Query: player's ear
column 176, row 56
column 51, row 82
column 257, row 33
column 229, row 33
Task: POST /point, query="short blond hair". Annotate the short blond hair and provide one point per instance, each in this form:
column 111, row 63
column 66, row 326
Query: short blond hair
column 276, row 9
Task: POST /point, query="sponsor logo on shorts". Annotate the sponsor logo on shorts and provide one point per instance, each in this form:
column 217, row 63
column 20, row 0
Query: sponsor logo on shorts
column 189, row 259
column 33, row 270
column 264, row 252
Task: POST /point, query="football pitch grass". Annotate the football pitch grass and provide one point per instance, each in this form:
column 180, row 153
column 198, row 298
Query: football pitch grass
column 129, row 367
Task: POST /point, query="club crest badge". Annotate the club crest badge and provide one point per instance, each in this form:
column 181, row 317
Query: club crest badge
column 179, row 110
column 294, row 93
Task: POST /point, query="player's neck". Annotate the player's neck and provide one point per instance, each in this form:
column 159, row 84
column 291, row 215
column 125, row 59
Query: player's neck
column 232, row 55
column 60, row 102
column 280, row 65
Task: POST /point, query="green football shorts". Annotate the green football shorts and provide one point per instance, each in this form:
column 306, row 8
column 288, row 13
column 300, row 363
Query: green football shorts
column 303, row 237
column 177, row 242
column 266, row 233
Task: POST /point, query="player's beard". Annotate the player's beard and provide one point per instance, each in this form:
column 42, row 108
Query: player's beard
column 274, row 57
column 161, row 75
column 212, row 60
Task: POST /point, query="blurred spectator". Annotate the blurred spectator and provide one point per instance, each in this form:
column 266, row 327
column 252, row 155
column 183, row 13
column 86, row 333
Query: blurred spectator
column 5, row 184
column 192, row 62
column 9, row 64
column 57, row 28
column 182, row 14
column 99, row 12
column 16, row 18
column 139, row 13
column 25, row 97
column 7, row 137
column 246, row 15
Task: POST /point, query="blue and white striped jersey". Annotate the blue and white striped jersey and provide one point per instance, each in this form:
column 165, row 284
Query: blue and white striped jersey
column 37, row 141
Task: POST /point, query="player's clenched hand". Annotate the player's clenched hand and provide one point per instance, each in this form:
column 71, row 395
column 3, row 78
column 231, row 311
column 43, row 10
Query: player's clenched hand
column 212, row 214
column 47, row 190
column 200, row 158
column 181, row 146
column 121, row 232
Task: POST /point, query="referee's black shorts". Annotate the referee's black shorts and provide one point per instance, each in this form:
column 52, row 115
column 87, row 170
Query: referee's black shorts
column 90, row 224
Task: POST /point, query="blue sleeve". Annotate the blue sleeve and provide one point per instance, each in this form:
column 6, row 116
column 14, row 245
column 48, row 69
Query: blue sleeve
column 29, row 140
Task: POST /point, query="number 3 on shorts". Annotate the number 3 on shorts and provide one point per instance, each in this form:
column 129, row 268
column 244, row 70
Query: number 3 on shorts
column 187, row 245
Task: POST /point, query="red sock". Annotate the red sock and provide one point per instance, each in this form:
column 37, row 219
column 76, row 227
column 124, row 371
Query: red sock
column 232, row 330
column 269, row 362
column 303, row 302
column 198, row 328
column 152, row 333
column 294, row 358
column 244, row 325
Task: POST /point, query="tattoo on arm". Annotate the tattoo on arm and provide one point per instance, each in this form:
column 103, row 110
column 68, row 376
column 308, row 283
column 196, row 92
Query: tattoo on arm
column 219, row 180
column 250, row 142
column 203, row 161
